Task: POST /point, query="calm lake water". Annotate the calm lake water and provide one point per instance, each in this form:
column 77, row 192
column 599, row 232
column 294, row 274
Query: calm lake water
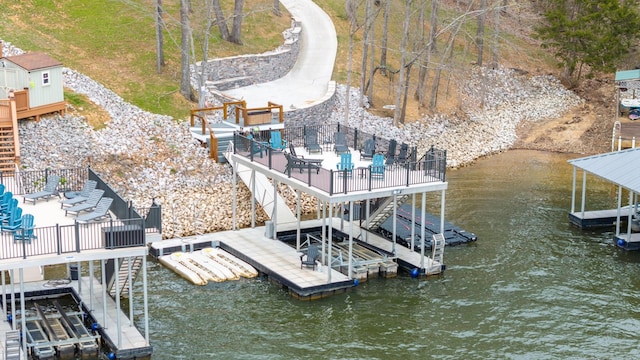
column 532, row 286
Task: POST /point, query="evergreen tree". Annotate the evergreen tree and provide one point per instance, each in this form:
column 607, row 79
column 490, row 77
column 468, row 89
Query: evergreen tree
column 596, row 33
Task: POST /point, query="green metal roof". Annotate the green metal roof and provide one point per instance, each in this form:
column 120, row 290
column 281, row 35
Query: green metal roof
column 627, row 75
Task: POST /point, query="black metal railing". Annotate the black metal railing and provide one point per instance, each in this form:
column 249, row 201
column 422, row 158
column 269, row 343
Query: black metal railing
column 126, row 230
column 406, row 171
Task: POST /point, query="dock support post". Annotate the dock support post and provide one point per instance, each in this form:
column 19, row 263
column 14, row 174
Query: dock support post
column 79, row 265
column 573, row 191
column 584, row 192
column 367, row 213
column 423, row 211
column 117, row 285
column 91, row 274
column 23, row 317
column 618, row 211
column 395, row 220
column 442, row 202
column 145, row 299
column 350, row 239
column 13, row 301
column 324, row 230
column 329, row 244
column 130, row 281
column 234, row 195
column 413, row 220
column 104, row 293
column 253, row 198
column 630, row 215
column 298, row 194
column 274, row 215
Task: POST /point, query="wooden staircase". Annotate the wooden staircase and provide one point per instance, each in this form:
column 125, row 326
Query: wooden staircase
column 9, row 139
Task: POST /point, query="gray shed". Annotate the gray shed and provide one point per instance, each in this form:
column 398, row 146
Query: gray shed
column 34, row 80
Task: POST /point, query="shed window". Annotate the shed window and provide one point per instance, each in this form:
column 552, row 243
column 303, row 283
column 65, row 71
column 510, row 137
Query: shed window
column 45, row 79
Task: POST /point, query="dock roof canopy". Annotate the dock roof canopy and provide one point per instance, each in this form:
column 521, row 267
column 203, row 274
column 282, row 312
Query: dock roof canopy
column 619, row 167
column 628, row 79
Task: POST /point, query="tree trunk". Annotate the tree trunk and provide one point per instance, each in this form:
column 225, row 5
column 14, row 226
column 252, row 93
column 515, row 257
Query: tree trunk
column 220, row 20
column 202, row 76
column 236, row 30
column 397, row 112
column 447, row 54
column 365, row 48
column 159, row 38
column 385, row 33
column 276, row 8
column 480, row 32
column 421, row 90
column 496, row 36
column 185, row 79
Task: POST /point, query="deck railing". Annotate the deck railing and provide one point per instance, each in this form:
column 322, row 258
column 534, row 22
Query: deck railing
column 129, row 228
column 431, row 167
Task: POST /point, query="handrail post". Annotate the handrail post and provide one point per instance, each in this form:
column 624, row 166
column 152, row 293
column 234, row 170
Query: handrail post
column 77, row 229
column 331, row 182
column 58, row 239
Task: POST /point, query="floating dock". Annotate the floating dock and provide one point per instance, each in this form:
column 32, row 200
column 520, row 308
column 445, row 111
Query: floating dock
column 453, row 234
column 278, row 259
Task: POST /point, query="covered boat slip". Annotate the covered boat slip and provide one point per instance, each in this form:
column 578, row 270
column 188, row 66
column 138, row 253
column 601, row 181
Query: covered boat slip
column 63, row 334
column 619, row 169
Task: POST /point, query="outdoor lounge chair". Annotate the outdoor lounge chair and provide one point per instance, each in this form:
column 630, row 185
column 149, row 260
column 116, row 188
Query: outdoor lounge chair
column 300, row 164
column 101, row 211
column 82, row 196
column 5, row 214
column 89, row 205
column 292, row 150
column 25, row 231
column 5, row 200
column 311, row 143
column 50, row 189
column 377, row 166
column 340, row 143
column 310, row 257
column 368, row 150
column 345, row 166
column 276, row 142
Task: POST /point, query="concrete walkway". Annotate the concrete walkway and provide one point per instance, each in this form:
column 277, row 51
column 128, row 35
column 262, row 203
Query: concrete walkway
column 309, row 80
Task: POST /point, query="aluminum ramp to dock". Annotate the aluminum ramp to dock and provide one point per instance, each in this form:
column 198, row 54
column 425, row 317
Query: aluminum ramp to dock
column 12, row 345
column 86, row 343
column 264, row 195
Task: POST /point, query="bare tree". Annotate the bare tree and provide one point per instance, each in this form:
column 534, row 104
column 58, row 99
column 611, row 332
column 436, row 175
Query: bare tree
column 185, row 26
column 276, row 8
column 446, row 55
column 403, row 62
column 236, row 32
column 496, row 35
column 159, row 38
column 480, row 32
column 385, row 35
column 351, row 8
column 220, row 20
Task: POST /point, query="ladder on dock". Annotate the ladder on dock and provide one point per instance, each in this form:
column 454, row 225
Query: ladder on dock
column 123, row 276
column 9, row 137
column 12, row 345
column 437, row 246
column 385, row 210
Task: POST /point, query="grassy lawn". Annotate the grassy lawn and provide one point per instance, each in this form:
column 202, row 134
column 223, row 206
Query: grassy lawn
column 113, row 42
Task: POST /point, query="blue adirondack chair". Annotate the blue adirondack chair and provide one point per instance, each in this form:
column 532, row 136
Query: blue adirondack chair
column 345, row 166
column 13, row 222
column 6, row 199
column 377, row 166
column 25, row 232
column 8, row 211
column 276, row 141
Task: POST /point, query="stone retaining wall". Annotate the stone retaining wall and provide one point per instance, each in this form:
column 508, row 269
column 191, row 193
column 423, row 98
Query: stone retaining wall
column 244, row 70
